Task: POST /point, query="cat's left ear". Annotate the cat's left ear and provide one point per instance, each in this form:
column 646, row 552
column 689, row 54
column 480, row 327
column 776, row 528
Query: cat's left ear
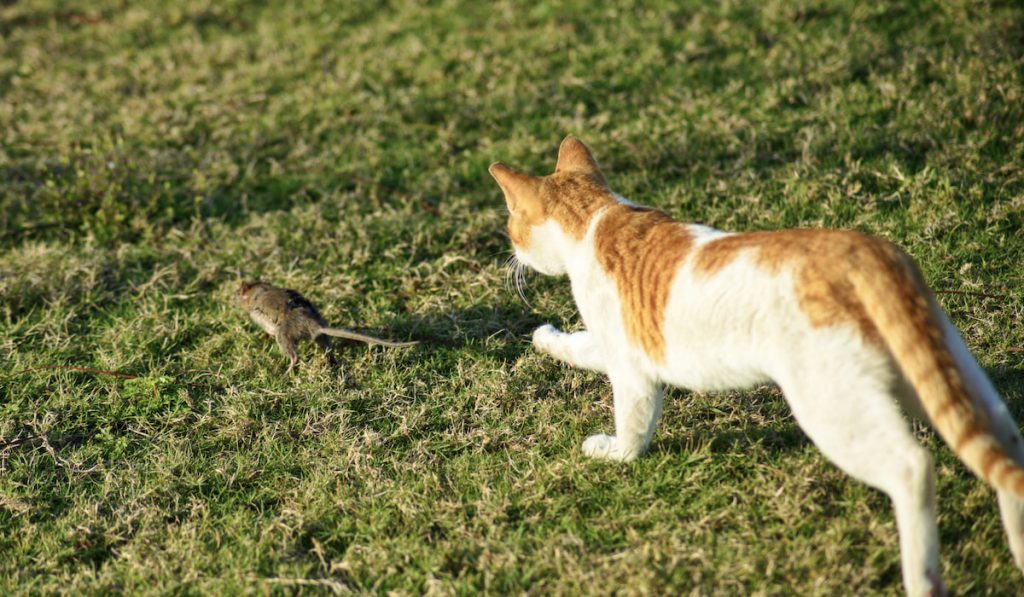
column 521, row 190
column 574, row 156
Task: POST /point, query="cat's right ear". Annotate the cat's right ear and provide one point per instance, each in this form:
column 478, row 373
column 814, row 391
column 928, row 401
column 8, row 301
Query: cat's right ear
column 521, row 190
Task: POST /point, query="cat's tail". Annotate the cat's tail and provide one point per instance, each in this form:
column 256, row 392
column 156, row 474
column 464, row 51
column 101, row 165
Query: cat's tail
column 348, row 335
column 961, row 403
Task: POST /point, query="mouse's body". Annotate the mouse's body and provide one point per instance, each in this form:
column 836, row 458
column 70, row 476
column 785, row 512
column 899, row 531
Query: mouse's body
column 291, row 319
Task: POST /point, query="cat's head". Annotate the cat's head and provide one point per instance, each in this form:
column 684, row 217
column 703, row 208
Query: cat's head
column 550, row 214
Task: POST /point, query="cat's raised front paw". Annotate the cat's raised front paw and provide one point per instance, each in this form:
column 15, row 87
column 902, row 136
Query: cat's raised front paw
column 545, row 337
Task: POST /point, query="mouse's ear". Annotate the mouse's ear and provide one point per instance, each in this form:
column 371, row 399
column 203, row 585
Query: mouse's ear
column 522, row 191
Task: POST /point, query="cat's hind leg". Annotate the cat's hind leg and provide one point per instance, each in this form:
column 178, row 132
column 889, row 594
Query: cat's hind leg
column 855, row 422
column 577, row 348
column 1011, row 508
column 637, row 408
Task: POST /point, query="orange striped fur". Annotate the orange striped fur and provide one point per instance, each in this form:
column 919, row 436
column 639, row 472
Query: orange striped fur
column 572, row 199
column 642, row 249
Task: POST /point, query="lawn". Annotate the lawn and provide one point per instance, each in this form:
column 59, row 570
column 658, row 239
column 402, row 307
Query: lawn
column 153, row 154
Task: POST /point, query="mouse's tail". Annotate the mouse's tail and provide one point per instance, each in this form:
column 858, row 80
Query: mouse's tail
column 340, row 333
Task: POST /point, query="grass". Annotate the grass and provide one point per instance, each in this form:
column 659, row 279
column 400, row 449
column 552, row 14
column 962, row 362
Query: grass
column 152, row 154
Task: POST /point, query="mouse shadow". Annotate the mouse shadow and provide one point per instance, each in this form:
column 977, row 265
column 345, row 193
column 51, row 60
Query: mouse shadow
column 499, row 331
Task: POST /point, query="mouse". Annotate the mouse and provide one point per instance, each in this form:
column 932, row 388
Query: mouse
column 291, row 319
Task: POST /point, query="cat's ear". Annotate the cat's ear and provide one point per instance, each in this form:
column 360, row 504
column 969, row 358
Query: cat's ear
column 574, row 156
column 521, row 190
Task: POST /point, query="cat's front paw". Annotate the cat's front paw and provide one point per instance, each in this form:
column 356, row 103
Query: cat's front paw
column 545, row 337
column 609, row 447
column 601, row 445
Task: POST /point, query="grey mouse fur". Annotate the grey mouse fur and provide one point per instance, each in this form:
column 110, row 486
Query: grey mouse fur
column 291, row 319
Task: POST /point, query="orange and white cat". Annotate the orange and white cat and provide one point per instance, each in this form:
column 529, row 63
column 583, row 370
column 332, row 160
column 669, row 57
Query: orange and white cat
column 841, row 321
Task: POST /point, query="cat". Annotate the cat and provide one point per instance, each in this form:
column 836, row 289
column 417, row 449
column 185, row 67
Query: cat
column 842, row 322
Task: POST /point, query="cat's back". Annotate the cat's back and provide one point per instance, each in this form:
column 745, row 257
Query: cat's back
column 828, row 250
column 743, row 301
column 804, row 272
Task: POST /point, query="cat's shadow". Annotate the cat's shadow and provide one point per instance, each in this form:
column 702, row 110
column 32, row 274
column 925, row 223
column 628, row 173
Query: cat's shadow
column 503, row 332
column 1008, row 381
column 733, row 441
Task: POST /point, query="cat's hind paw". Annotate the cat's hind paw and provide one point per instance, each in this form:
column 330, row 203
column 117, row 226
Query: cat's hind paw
column 607, row 447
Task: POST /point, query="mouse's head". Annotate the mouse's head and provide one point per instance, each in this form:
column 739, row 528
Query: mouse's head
column 247, row 290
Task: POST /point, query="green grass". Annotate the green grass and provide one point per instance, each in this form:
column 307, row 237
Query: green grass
column 152, row 155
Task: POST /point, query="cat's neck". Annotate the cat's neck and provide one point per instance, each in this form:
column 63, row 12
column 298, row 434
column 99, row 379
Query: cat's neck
column 581, row 262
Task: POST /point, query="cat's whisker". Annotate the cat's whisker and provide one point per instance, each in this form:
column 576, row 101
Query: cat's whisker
column 520, row 278
column 515, row 274
column 509, row 272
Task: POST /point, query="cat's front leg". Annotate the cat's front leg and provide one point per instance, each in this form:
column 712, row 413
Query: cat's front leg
column 578, row 349
column 637, row 408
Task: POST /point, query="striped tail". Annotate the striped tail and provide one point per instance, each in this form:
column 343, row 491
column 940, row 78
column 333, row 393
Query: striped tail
column 899, row 303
